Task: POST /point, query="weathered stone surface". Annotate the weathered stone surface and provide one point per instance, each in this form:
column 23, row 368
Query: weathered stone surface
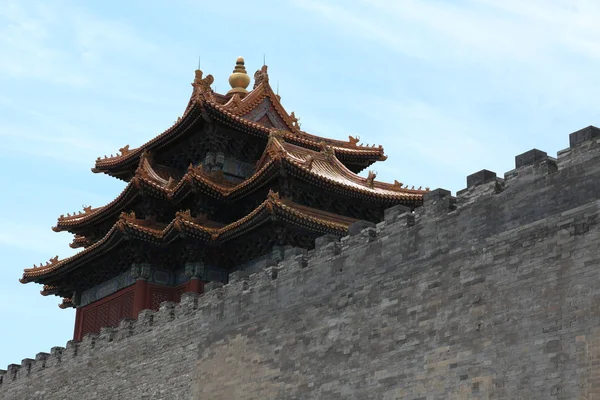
column 480, row 177
column 495, row 298
column 530, row 157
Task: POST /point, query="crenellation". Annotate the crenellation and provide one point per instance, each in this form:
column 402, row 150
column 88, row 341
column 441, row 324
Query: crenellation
column 369, row 233
column 144, row 321
column 70, row 351
column 211, row 286
column 272, row 272
column 357, row 227
column 390, row 215
column 87, row 344
column 165, row 313
column 530, row 157
column 438, row 202
column 188, row 301
column 301, row 261
column 292, row 252
column 107, row 334
column 322, row 241
column 26, row 366
column 125, row 329
column 584, row 135
column 12, row 371
column 41, row 360
column 55, row 358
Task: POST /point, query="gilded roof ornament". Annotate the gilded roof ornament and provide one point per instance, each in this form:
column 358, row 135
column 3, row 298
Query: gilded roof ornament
column 202, row 85
column 239, row 79
column 184, row 214
column 327, row 150
column 124, row 150
column 53, row 260
column 127, row 216
column 273, row 196
column 277, row 134
column 260, row 76
column 295, row 120
column 353, row 140
column 371, row 179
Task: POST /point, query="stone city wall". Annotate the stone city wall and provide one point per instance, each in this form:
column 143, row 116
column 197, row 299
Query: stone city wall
column 494, row 293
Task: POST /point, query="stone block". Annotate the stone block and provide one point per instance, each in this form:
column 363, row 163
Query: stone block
column 479, row 178
column 357, row 227
column 583, row 135
column 435, row 194
column 530, row 157
column 391, row 214
column 324, row 240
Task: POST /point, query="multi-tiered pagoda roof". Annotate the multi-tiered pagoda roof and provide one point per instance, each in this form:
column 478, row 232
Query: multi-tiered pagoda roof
column 234, row 177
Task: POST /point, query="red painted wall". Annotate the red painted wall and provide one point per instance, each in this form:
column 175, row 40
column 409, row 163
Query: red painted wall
column 110, row 310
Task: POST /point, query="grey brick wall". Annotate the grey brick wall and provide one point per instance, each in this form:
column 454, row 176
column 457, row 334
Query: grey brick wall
column 492, row 294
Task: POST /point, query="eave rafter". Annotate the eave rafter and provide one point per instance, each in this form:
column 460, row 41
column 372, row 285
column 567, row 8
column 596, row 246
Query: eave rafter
column 185, row 225
column 322, row 169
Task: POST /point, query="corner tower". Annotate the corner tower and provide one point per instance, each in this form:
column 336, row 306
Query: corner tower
column 232, row 183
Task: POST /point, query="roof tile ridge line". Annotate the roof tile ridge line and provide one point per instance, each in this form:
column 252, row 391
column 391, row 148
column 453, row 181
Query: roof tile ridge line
column 246, row 104
column 197, row 96
column 278, row 204
column 138, row 150
column 52, row 267
column 244, row 121
column 382, row 185
column 233, row 104
column 149, row 171
column 364, row 188
column 225, row 192
column 144, row 168
column 120, row 226
column 279, row 108
column 253, row 99
column 125, row 221
column 311, row 140
column 87, row 218
column 273, row 150
column 80, row 241
column 314, row 140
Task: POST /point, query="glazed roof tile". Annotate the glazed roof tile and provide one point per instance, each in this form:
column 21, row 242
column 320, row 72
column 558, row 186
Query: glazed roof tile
column 208, row 231
column 321, row 168
column 231, row 110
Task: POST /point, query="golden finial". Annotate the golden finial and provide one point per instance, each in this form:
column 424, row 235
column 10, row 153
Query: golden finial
column 239, row 79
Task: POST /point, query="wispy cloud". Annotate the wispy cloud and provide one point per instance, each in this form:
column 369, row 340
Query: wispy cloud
column 534, row 46
column 34, row 238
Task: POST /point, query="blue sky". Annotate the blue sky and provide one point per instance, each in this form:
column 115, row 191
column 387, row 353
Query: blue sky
column 447, row 87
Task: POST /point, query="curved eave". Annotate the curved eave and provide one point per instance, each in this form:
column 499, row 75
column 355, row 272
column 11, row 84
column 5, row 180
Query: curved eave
column 147, row 181
column 66, row 303
column 184, row 225
column 120, row 166
column 76, row 222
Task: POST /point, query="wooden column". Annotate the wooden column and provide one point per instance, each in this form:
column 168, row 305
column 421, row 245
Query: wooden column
column 141, row 273
column 195, row 271
column 194, row 285
column 77, row 334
